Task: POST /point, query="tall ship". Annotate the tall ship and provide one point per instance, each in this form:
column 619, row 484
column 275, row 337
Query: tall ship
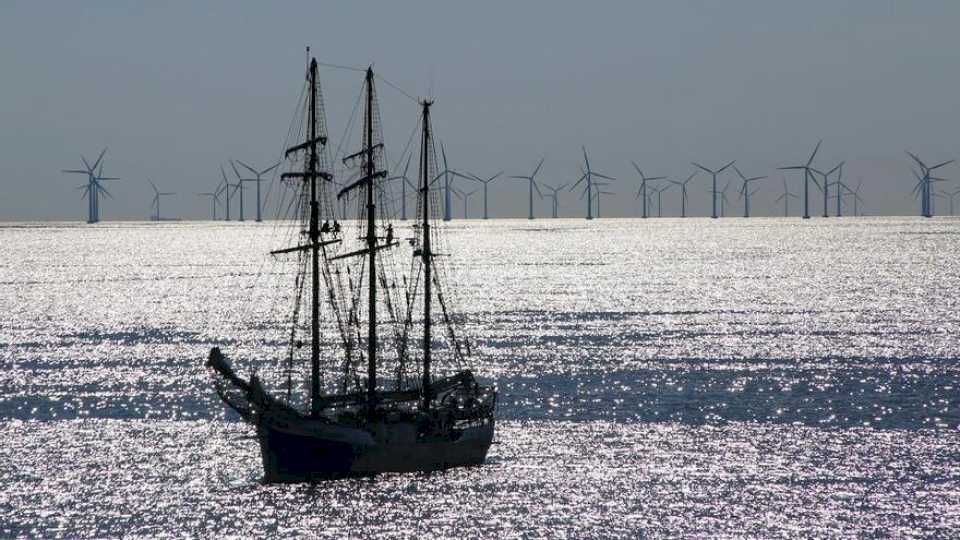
column 388, row 388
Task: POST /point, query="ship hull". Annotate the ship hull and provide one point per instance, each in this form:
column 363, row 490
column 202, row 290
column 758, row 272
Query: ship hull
column 313, row 451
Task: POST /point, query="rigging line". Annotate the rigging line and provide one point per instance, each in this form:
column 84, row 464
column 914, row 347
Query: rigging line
column 338, row 66
column 406, row 148
column 397, row 88
column 348, row 129
column 293, row 121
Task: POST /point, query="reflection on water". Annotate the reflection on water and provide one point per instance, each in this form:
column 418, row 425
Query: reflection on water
column 754, row 377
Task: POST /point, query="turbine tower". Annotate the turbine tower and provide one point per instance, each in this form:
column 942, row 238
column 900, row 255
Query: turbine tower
column 93, row 188
column 553, row 195
column 486, row 183
column 923, row 187
column 745, row 192
column 642, row 192
column 683, row 193
column 532, row 186
column 588, row 175
column 807, row 176
column 155, row 203
column 258, row 179
column 714, row 175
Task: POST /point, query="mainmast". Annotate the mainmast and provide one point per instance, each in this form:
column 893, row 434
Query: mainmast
column 372, row 247
column 314, row 249
column 425, row 253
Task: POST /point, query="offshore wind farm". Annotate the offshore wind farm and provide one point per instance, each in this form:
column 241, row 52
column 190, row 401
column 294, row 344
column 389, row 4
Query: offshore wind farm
column 498, row 270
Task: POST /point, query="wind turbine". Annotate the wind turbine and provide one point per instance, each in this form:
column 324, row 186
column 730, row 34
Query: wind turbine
column 807, row 176
column 723, row 199
column 532, row 185
column 599, row 191
column 553, row 195
column 239, row 186
column 856, row 199
column 155, row 203
column 486, row 183
column 683, row 193
column 404, row 182
column 785, row 198
column 714, row 175
column 659, row 191
column 93, row 189
column 225, row 189
column 924, row 184
column 214, row 200
column 840, row 186
column 447, row 185
column 745, row 192
column 952, row 196
column 258, row 179
column 937, row 195
column 588, row 175
column 826, row 186
column 465, row 197
column 642, row 192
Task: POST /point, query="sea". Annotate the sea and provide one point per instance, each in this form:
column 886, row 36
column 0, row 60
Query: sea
column 694, row 378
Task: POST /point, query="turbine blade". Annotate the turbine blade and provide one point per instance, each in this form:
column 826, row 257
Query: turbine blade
column 725, row 166
column 247, row 167
column 270, row 168
column 99, row 158
column 937, row 166
column 915, row 158
column 535, row 171
column 814, row 154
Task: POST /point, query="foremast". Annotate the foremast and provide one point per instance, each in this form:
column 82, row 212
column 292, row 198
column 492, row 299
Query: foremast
column 311, row 175
column 372, row 248
column 425, row 252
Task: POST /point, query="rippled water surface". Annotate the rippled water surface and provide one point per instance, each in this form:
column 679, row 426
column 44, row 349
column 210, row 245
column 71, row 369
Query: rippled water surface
column 711, row 378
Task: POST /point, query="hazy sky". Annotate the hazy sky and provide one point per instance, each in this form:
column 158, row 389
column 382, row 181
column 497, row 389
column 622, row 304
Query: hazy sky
column 175, row 88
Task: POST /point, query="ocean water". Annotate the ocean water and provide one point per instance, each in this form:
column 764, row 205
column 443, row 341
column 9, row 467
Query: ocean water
column 658, row 378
